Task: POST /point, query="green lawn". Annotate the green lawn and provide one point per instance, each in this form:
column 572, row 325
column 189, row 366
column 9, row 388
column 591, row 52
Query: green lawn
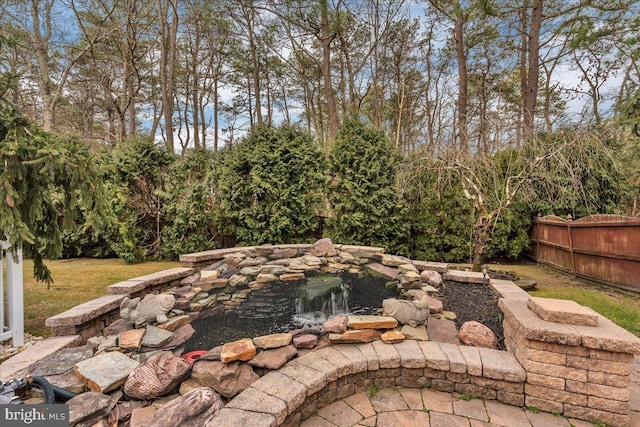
column 80, row 280
column 75, row 281
column 620, row 306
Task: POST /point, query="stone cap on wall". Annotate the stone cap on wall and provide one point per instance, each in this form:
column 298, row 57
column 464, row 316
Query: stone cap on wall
column 86, row 311
column 137, row 284
column 279, row 394
column 605, row 336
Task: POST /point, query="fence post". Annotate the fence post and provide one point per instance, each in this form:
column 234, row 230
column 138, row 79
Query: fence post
column 573, row 256
column 15, row 298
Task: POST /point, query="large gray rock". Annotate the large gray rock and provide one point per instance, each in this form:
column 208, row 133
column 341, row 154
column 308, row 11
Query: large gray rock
column 106, row 371
column 194, row 409
column 57, row 368
column 156, row 377
column 156, row 337
column 87, row 408
column 228, row 379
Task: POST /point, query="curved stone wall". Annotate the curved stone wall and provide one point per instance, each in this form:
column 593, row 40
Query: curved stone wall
column 294, row 392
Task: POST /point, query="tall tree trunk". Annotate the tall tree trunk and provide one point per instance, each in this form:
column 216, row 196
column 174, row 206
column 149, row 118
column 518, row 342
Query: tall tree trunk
column 530, row 93
column 326, row 37
column 463, row 80
column 168, row 13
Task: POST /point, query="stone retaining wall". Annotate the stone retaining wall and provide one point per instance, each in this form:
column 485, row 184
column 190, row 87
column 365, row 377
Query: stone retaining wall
column 291, row 260
column 92, row 317
column 574, row 367
column 297, row 390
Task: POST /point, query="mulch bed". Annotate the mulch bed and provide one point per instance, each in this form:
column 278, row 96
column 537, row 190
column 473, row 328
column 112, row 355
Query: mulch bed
column 473, row 301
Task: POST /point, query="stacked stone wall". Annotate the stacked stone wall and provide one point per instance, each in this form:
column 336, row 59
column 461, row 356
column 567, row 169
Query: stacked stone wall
column 580, row 371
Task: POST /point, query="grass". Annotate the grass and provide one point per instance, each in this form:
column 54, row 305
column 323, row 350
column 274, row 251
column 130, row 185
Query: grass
column 81, row 280
column 618, row 305
column 75, row 281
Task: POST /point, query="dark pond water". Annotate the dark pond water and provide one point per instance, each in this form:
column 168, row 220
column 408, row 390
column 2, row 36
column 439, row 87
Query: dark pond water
column 285, row 306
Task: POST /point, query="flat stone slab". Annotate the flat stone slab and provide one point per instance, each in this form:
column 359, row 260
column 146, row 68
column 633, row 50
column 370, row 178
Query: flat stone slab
column 466, row 276
column 442, row 330
column 86, row 311
column 440, row 267
column 137, row 284
column 13, row 366
column 212, row 255
column 273, row 341
column 501, row 365
column 563, row 311
column 106, row 371
column 371, row 322
column 156, row 337
column 508, row 289
column 382, row 270
column 418, row 333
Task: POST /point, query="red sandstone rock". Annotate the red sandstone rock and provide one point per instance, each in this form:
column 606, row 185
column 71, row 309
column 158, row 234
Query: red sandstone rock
column 131, row 339
column 435, row 305
column 228, row 379
column 392, row 337
column 323, row 248
column 195, row 408
column 305, row 341
column 336, row 325
column 275, row 358
column 355, row 336
column 156, row 377
column 238, row 350
column 478, row 335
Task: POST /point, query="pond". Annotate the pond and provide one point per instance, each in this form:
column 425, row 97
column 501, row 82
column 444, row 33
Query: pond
column 285, row 306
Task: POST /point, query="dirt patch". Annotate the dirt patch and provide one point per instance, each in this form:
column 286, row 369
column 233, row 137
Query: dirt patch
column 472, row 301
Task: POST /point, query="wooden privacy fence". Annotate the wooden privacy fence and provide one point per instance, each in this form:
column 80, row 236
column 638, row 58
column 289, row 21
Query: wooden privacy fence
column 604, row 248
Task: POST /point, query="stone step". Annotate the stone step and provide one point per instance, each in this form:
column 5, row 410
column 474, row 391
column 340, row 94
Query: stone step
column 16, row 365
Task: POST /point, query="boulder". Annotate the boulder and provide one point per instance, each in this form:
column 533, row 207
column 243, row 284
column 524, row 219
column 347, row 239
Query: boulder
column 156, row 377
column 266, row 278
column 194, row 409
column 242, row 350
column 228, row 379
column 478, row 335
column 323, row 248
column 337, row 325
column 431, row 277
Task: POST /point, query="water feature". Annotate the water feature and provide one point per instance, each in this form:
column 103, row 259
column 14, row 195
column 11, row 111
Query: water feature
column 285, row 306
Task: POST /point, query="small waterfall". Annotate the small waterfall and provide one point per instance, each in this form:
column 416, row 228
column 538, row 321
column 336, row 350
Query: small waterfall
column 320, row 300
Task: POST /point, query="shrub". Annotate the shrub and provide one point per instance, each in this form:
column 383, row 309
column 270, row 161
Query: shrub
column 367, row 209
column 269, row 186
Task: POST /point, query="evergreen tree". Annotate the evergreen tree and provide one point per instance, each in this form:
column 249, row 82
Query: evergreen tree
column 47, row 181
column 366, row 206
column 270, row 185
